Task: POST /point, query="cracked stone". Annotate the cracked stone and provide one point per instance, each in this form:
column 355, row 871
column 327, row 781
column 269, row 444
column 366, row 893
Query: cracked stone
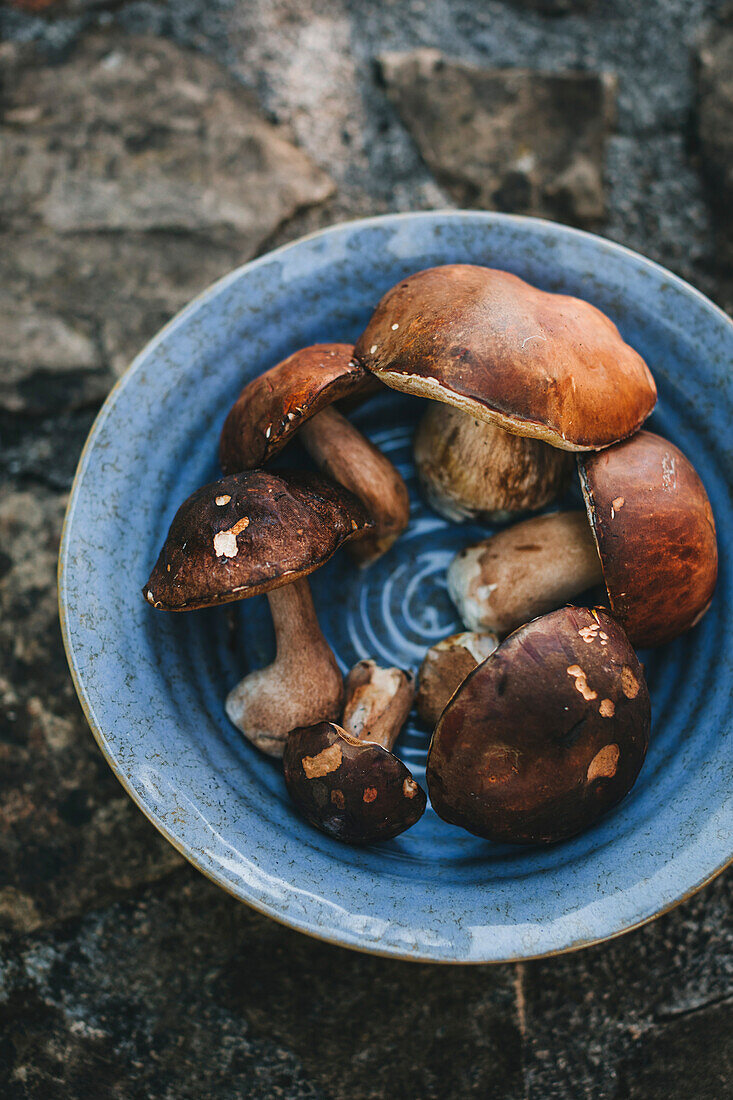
column 644, row 1017
column 133, row 173
column 715, row 134
column 69, row 837
column 507, row 139
column 292, row 1017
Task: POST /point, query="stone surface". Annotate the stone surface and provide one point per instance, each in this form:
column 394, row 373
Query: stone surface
column 69, row 836
column 715, row 133
column 105, row 1007
column 544, row 7
column 132, row 175
column 507, row 139
column 125, row 973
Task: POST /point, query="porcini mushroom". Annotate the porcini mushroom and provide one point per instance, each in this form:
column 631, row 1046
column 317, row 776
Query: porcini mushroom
column 357, row 791
column 651, row 539
column 295, row 396
column 377, row 702
column 547, row 367
column 445, row 666
column 546, row 735
column 258, row 532
column 345, row 779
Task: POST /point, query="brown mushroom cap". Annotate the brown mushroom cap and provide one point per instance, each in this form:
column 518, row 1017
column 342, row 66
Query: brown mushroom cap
column 655, row 533
column 272, row 407
column 546, row 735
column 249, row 533
column 353, row 790
column 537, row 364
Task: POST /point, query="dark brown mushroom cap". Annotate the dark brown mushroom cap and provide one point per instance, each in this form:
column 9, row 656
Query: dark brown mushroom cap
column 248, row 533
column 546, row 735
column 537, row 364
column 655, row 533
column 272, row 407
column 350, row 789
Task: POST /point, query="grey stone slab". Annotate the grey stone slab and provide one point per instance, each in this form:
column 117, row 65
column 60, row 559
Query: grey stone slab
column 507, row 139
column 647, row 1015
column 184, row 993
column 132, row 174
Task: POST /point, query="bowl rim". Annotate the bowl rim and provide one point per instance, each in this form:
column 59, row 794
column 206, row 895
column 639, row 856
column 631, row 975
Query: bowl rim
column 486, row 217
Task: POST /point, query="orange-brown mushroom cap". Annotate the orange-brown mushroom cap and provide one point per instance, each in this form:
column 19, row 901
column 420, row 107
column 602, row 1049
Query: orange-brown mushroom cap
column 537, row 364
column 249, row 533
column 272, row 407
column 546, row 735
column 655, row 533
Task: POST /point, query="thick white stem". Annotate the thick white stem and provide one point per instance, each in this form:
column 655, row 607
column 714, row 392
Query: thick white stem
column 303, row 684
column 534, row 567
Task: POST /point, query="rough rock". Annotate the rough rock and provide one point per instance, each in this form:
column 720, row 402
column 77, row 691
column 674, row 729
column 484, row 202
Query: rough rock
column 69, row 836
column 599, row 1025
column 133, row 174
column 549, row 7
column 512, row 139
column 105, row 1008
column 715, row 133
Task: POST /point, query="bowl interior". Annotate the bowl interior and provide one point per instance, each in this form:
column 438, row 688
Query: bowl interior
column 154, row 684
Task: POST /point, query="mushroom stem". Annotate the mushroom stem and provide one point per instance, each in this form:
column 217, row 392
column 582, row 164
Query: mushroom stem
column 524, row 571
column 341, row 451
column 303, row 684
column 445, row 666
column 469, row 469
column 378, row 701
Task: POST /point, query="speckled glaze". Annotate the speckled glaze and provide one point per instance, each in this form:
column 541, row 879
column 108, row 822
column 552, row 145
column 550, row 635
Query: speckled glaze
column 153, row 685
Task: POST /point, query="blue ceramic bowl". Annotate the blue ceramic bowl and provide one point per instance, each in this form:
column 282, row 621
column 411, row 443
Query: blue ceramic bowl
column 153, row 684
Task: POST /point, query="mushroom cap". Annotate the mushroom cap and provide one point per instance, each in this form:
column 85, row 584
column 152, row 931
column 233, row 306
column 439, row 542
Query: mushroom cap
column 271, row 407
column 350, row 789
column 537, row 364
column 655, row 533
column 546, row 735
column 248, row 533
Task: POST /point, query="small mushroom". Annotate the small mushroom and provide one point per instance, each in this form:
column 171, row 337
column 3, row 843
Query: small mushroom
column 445, row 666
column 546, row 735
column 295, row 396
column 258, row 532
column 345, row 779
column 651, row 540
column 377, row 702
column 549, row 368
